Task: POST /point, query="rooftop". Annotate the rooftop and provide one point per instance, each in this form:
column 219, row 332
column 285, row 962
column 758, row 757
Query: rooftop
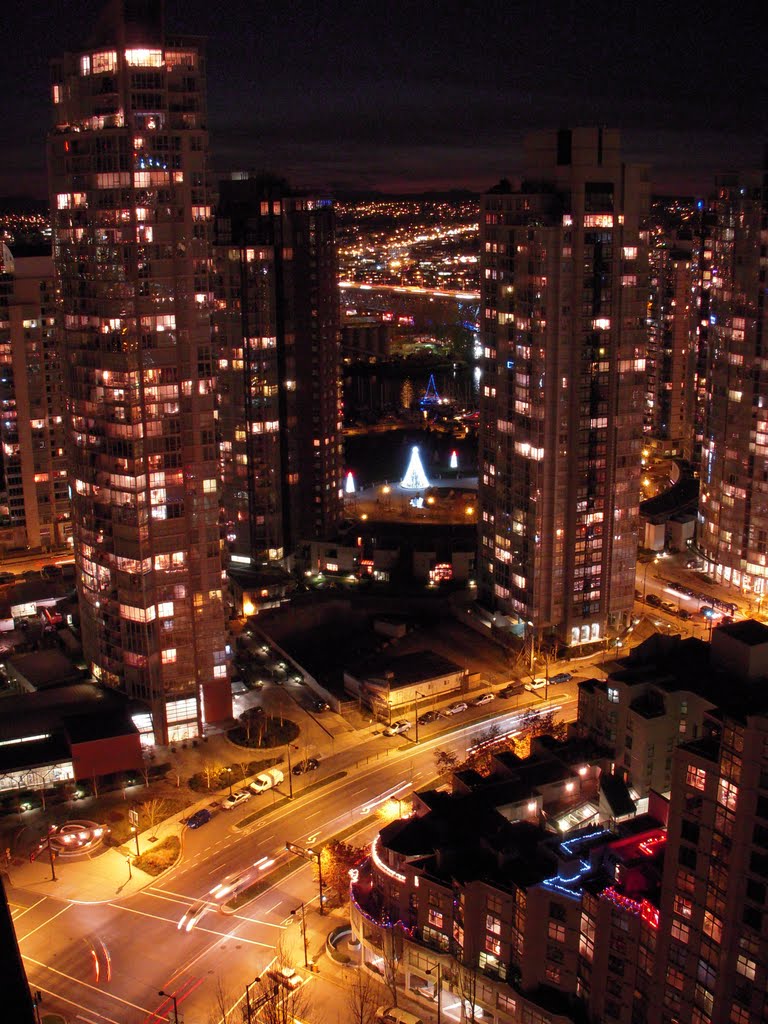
column 749, row 632
column 405, row 669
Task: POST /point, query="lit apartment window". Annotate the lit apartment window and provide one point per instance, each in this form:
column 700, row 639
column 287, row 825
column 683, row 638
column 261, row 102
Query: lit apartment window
column 695, row 777
column 556, row 931
column 169, row 655
column 613, row 695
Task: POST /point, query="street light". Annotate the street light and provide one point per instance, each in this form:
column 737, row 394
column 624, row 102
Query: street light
column 229, row 776
column 653, row 561
column 303, row 932
column 438, row 969
column 416, row 711
column 170, row 995
column 136, row 837
column 259, row 1002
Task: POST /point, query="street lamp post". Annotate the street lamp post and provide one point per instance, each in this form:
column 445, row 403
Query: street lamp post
column 128, row 862
column 438, row 969
column 303, row 932
column 290, row 771
column 416, row 711
column 52, row 856
column 136, row 837
column 170, row 995
column 229, row 776
column 653, row 561
column 248, row 998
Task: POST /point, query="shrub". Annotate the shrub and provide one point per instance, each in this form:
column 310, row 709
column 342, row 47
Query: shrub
column 270, row 732
column 160, row 857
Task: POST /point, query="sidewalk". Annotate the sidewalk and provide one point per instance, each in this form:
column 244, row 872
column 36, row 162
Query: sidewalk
column 97, row 878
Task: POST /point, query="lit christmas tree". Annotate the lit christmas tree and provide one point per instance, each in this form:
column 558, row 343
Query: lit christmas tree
column 415, row 478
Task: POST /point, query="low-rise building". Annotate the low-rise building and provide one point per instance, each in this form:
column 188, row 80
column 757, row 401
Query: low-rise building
column 66, row 733
column 483, row 900
column 397, row 685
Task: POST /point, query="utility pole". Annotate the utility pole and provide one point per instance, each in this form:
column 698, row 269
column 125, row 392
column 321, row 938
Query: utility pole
column 52, row 855
column 290, row 773
column 303, row 932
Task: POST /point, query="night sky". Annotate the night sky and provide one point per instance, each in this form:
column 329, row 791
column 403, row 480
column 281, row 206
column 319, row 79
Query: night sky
column 411, row 95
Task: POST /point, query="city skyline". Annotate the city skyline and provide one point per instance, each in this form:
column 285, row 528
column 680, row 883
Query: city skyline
column 399, row 101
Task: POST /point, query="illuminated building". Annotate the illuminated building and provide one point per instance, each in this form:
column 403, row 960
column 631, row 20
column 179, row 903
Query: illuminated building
column 712, row 956
column 564, row 279
column 131, row 218
column 672, row 350
column 525, row 923
column 279, row 372
column 32, row 404
column 732, row 530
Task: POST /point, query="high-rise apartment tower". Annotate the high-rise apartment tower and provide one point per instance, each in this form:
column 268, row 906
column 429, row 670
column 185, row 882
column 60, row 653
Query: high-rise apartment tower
column 31, row 404
column 132, row 219
column 733, row 506
column 280, row 377
column 564, row 278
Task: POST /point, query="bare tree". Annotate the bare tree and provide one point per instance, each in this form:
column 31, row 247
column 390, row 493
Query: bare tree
column 221, row 1009
column 274, row 1001
column 153, row 811
column 446, row 761
column 466, row 985
column 362, row 997
column 392, row 948
column 211, row 771
column 244, row 766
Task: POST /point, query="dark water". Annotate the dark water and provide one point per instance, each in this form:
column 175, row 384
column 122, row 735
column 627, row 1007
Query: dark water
column 374, row 458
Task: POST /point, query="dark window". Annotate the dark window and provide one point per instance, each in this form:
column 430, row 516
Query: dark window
column 687, row 856
column 689, row 830
column 756, row 891
column 753, row 918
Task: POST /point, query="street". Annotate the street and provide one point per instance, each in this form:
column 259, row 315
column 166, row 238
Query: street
column 106, row 963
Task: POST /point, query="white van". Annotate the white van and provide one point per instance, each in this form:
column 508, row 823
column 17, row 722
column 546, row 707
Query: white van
column 394, row 1015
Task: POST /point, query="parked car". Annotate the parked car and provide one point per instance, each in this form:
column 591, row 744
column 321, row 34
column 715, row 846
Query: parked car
column 267, row 780
column 536, row 684
column 668, row 607
column 397, row 728
column 310, row 765
column 511, row 690
column 428, row 717
column 6, row 577
column 684, row 614
column 317, row 707
column 484, row 698
column 51, row 572
column 561, row 677
column 654, row 600
column 455, row 709
column 199, row 818
column 237, row 798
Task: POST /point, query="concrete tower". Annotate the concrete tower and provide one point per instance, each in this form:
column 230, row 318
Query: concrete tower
column 564, row 273
column 131, row 218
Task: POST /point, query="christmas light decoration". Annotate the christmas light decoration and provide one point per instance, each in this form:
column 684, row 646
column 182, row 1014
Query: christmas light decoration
column 415, row 478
